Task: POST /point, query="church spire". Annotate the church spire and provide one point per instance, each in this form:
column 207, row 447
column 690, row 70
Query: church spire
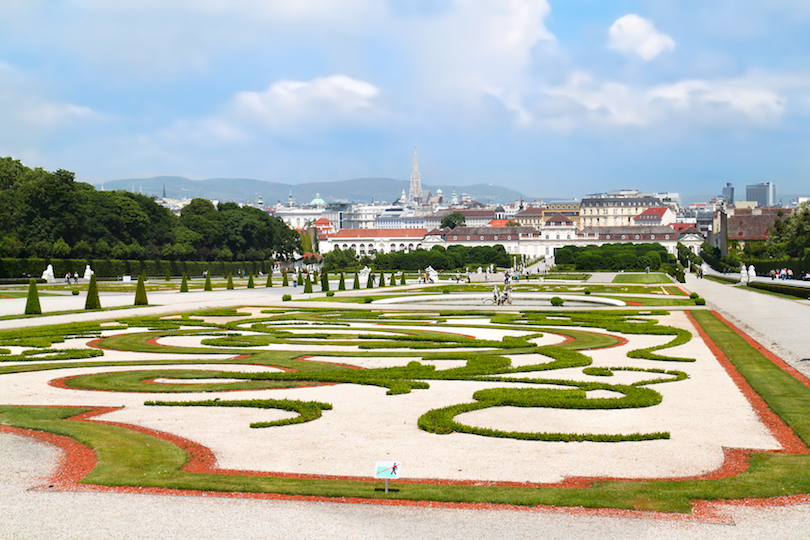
column 415, row 193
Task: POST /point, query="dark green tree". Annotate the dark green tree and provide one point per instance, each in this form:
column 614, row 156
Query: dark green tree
column 285, row 281
column 92, row 301
column 325, row 282
column 370, row 282
column 229, row 286
column 208, row 286
column 356, row 284
column 308, row 285
column 250, row 284
column 269, row 279
column 402, row 279
column 184, row 284
column 456, row 219
column 342, row 284
column 140, row 291
column 32, row 306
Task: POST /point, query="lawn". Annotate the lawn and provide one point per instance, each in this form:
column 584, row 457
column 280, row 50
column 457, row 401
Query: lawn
column 647, row 279
column 130, row 458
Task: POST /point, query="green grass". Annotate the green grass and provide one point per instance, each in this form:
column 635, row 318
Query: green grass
column 648, row 279
column 129, row 458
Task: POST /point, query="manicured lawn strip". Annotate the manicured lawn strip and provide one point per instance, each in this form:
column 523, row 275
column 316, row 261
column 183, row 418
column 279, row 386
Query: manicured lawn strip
column 648, row 279
column 307, row 410
column 785, row 395
column 652, row 302
column 132, row 381
column 130, row 458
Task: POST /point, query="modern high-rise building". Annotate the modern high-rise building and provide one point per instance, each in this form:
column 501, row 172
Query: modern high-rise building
column 763, row 193
column 728, row 192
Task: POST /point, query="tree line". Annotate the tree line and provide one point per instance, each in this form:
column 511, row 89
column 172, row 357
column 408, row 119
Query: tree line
column 50, row 215
column 452, row 258
column 614, row 257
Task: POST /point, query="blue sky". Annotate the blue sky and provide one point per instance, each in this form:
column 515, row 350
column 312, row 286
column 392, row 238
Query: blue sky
column 552, row 98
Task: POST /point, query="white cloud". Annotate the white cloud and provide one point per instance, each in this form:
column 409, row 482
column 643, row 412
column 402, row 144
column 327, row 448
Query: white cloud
column 287, row 108
column 634, row 34
column 585, row 101
column 321, row 101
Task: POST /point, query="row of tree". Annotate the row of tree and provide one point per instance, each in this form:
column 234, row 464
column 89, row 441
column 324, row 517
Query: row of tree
column 48, row 214
column 451, row 258
column 614, row 257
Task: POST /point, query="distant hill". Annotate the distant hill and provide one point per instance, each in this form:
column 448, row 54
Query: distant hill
column 246, row 189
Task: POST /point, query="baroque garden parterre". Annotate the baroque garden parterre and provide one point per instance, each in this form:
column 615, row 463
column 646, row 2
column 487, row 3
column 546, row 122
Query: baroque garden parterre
column 626, row 409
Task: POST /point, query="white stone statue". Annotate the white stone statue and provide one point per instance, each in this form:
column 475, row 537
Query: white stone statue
column 752, row 273
column 47, row 275
column 433, row 275
column 743, row 275
column 365, row 272
column 87, row 272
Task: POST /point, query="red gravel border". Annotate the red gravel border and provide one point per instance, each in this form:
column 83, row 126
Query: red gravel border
column 78, row 460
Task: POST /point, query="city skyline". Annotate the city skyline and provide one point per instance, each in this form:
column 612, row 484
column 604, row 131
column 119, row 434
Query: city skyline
column 550, row 98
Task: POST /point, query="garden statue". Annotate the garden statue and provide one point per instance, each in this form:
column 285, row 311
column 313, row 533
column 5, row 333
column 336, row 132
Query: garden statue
column 87, row 272
column 47, row 275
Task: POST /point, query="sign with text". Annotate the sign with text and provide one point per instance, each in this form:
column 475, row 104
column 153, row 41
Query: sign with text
column 387, row 469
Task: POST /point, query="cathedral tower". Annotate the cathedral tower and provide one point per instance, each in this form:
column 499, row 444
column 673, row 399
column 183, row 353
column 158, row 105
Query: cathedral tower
column 415, row 194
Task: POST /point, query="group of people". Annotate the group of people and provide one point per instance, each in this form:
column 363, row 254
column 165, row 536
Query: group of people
column 74, row 277
column 784, row 273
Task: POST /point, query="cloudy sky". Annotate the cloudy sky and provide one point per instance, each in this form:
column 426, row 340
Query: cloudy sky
column 555, row 98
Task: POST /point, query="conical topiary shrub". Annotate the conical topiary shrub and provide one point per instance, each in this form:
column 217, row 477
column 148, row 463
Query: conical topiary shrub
column 301, row 278
column 370, row 282
column 230, row 281
column 342, row 284
column 208, row 286
column 402, row 280
column 250, row 282
column 393, row 279
column 285, row 281
column 32, row 306
column 140, row 291
column 269, row 279
column 92, row 301
column 308, row 285
column 325, row 282
column 356, row 284
column 184, row 284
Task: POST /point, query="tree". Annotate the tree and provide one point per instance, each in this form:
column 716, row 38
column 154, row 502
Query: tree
column 140, row 291
column 342, row 284
column 793, row 236
column 32, row 306
column 308, row 285
column 356, row 284
column 269, row 279
column 325, row 282
column 92, row 301
column 285, row 281
column 229, row 286
column 184, row 284
column 250, row 284
column 402, row 280
column 208, row 286
column 370, row 282
column 456, row 219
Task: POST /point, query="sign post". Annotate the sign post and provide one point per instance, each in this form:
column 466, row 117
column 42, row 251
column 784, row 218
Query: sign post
column 387, row 470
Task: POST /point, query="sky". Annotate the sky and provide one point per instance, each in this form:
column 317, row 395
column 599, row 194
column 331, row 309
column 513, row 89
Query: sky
column 553, row 98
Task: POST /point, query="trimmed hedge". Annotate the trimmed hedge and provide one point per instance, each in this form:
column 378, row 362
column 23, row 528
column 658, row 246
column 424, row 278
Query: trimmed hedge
column 307, row 410
column 112, row 268
column 799, row 292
